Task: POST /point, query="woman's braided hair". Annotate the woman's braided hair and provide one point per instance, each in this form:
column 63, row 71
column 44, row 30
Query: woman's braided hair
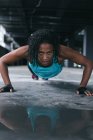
column 39, row 37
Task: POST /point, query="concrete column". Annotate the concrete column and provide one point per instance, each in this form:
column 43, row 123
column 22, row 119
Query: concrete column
column 88, row 42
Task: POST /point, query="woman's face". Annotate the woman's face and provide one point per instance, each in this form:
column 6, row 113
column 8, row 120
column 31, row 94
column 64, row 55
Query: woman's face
column 45, row 54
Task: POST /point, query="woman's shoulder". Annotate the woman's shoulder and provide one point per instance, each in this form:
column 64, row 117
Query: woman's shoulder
column 62, row 50
column 65, row 51
column 62, row 47
column 25, row 47
column 25, row 50
column 22, row 51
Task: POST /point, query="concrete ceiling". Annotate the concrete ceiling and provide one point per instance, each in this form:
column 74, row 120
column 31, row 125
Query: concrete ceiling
column 22, row 17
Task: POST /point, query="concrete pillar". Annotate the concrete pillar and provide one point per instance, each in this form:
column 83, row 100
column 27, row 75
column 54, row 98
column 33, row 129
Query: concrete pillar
column 88, row 42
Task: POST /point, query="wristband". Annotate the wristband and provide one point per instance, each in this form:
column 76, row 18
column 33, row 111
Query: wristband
column 7, row 88
column 82, row 90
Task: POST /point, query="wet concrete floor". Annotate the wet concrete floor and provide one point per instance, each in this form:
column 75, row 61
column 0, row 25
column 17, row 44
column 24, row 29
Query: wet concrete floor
column 45, row 109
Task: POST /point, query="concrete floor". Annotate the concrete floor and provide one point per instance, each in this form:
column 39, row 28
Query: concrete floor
column 56, row 96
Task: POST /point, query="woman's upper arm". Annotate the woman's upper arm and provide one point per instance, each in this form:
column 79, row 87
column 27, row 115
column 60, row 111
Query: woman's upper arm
column 15, row 55
column 73, row 55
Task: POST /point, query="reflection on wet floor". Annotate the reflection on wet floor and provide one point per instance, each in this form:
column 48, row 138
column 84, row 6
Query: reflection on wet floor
column 34, row 121
column 51, row 114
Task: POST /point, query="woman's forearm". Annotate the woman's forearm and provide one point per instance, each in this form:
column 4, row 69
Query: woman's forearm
column 86, row 74
column 4, row 73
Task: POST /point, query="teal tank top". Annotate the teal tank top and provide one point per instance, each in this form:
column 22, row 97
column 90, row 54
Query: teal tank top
column 46, row 72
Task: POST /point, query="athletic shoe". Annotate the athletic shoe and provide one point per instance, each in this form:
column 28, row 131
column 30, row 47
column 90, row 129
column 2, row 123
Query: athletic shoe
column 35, row 77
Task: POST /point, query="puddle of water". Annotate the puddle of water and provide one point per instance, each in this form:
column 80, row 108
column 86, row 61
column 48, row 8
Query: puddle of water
column 35, row 122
